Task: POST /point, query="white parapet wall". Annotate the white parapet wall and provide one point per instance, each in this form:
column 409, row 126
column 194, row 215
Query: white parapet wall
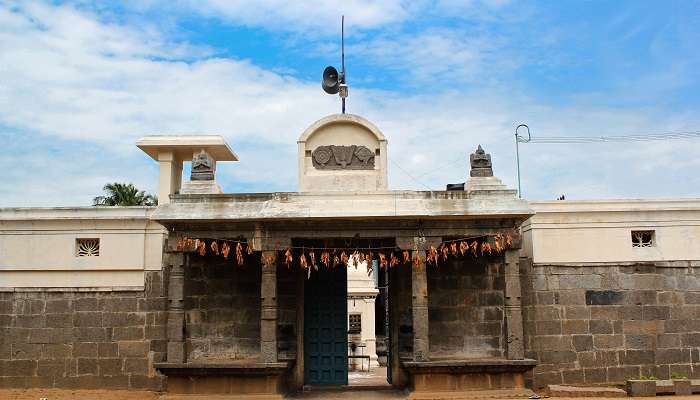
column 600, row 231
column 40, row 248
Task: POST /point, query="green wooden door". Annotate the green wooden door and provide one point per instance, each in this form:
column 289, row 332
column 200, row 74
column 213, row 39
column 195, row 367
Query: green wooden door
column 325, row 328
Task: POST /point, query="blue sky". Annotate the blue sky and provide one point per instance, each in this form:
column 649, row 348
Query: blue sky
column 82, row 81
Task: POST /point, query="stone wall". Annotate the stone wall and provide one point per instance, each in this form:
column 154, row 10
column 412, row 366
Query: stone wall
column 287, row 312
column 83, row 339
column 222, row 309
column 400, row 284
column 603, row 324
column 465, row 307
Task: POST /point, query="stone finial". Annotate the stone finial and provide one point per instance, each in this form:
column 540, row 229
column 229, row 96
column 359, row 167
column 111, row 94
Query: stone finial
column 480, row 163
column 202, row 167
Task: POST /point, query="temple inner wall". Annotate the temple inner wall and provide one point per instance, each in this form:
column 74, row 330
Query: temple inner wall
column 465, row 308
column 222, row 309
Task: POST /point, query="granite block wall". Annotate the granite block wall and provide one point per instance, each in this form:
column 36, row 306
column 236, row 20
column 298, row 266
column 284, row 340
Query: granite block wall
column 465, row 308
column 400, row 286
column 604, row 324
column 222, row 309
column 83, row 339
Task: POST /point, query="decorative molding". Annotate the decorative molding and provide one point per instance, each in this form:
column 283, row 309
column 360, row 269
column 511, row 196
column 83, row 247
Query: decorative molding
column 335, row 157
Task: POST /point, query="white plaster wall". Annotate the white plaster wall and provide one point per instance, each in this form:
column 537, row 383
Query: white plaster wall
column 38, row 247
column 599, row 231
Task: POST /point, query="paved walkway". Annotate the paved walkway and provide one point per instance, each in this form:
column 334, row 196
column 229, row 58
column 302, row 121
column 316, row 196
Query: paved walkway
column 375, row 378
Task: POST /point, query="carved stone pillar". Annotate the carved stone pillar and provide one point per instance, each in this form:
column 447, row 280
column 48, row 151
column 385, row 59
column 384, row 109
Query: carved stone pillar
column 419, row 291
column 513, row 307
column 268, row 307
column 176, row 311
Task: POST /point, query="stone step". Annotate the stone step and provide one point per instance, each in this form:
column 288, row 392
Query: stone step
column 473, row 394
column 221, row 397
column 361, row 393
column 575, row 391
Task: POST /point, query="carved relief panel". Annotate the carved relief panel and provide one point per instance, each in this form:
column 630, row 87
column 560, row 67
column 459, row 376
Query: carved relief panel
column 342, row 157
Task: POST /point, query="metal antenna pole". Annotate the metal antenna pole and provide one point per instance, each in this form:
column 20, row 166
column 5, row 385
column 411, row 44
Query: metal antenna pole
column 517, row 153
column 342, row 54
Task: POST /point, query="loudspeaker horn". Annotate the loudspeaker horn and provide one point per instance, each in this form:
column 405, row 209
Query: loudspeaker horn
column 331, row 81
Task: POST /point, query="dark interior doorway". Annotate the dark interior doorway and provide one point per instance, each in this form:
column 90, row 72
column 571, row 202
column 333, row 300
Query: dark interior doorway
column 325, row 321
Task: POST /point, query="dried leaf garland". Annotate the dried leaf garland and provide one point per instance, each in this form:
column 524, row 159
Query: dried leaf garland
column 267, row 260
column 336, row 259
column 485, row 247
column 326, row 258
column 474, row 246
column 214, row 248
column 444, row 252
column 312, row 258
column 239, row 254
column 249, row 249
column 432, row 256
column 302, row 261
column 509, row 241
column 406, row 257
column 453, row 248
column 463, row 247
column 225, row 249
column 497, row 243
column 288, row 257
column 344, row 258
column 382, row 260
column 201, row 247
column 393, row 260
column 355, row 259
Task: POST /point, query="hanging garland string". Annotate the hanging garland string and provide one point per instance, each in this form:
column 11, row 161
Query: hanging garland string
column 332, row 257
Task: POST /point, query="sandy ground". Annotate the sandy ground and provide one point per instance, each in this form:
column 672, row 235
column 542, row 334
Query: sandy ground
column 59, row 394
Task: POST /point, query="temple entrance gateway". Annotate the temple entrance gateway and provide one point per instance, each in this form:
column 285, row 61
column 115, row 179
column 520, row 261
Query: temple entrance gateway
column 325, row 327
column 258, row 283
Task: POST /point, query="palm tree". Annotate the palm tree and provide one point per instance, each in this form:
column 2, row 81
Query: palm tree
column 124, row 194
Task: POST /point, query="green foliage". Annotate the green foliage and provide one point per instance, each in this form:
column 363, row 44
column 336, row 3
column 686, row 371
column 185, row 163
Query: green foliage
column 647, row 378
column 676, row 375
column 124, row 194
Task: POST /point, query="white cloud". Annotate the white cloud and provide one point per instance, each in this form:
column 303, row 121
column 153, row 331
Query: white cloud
column 91, row 88
column 311, row 17
column 441, row 57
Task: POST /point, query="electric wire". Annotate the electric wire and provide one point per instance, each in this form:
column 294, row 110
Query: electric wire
column 611, row 139
column 409, row 175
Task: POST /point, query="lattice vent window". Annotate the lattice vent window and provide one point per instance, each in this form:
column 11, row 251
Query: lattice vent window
column 355, row 323
column 87, row 247
column 643, row 239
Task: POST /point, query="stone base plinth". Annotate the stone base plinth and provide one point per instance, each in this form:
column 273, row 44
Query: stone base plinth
column 244, row 380
column 200, row 187
column 456, row 379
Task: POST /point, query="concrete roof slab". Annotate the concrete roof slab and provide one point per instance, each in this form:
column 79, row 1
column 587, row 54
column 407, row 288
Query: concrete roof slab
column 185, row 145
